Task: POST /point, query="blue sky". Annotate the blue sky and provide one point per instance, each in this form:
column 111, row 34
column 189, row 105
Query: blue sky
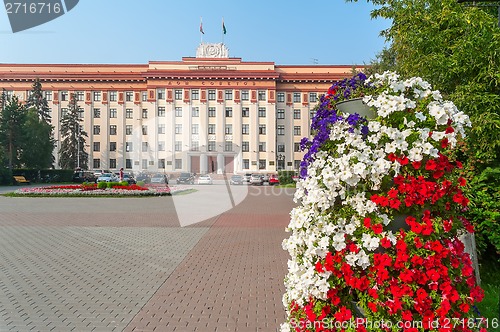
column 137, row 31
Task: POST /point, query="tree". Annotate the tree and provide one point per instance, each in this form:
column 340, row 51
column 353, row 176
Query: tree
column 37, row 101
column 39, row 144
column 12, row 130
column 72, row 153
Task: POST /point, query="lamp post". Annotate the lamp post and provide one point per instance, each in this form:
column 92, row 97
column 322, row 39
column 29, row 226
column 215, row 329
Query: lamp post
column 281, row 161
column 78, row 146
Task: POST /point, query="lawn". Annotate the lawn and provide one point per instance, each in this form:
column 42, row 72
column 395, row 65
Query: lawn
column 489, row 308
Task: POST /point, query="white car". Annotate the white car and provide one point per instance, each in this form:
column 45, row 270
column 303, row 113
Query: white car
column 108, row 177
column 205, row 179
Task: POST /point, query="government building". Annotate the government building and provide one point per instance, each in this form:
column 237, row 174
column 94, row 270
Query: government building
column 205, row 114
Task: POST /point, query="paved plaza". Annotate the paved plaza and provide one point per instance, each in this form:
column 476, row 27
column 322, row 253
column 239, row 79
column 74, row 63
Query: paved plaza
column 126, row 264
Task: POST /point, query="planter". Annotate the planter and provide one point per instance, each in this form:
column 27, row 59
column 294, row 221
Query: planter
column 356, row 106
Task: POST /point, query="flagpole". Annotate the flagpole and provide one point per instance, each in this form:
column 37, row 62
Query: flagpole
column 201, row 30
column 223, row 31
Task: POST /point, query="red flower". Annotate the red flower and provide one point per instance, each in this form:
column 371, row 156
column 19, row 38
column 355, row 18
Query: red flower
column 416, row 164
column 430, row 165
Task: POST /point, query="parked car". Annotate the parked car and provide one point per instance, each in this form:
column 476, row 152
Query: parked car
column 143, row 177
column 186, row 178
column 265, row 178
column 205, row 179
column 99, row 172
column 84, row 176
column 159, row 178
column 256, row 179
column 129, row 178
column 236, row 179
column 246, row 177
column 273, row 179
column 108, row 177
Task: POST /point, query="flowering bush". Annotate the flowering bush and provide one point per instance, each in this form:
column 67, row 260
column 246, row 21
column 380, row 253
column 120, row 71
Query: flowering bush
column 375, row 243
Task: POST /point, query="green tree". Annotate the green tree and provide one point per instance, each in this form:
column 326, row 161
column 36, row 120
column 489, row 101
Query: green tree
column 72, row 153
column 12, row 138
column 37, row 101
column 39, row 144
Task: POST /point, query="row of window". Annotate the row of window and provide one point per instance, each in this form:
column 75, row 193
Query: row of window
column 128, row 163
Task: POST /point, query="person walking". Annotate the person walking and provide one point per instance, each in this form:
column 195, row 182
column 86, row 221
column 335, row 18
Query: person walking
column 121, row 174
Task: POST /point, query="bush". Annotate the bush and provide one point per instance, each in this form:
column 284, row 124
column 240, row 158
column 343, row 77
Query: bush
column 5, row 175
column 112, row 184
column 140, row 183
column 102, row 185
column 45, row 175
column 484, row 212
column 286, row 177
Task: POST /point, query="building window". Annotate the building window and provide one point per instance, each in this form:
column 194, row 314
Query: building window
column 262, row 112
column 80, row 113
column 195, row 112
column 144, row 113
column 144, row 130
column 64, row 112
column 145, row 146
column 245, row 95
column 195, row 129
column 48, row 95
column 262, row 129
column 245, row 129
column 112, row 163
column 262, row 147
column 312, row 113
column 229, row 129
column 211, row 129
column 113, row 95
column 112, row 146
column 112, row 112
column 280, row 114
column 280, row 97
column 262, row 163
column 129, row 113
column 262, row 95
column 128, row 163
column 97, row 113
column 296, row 114
column 228, row 95
column 313, row 97
column 296, row 147
column 296, row 130
column 211, row 145
column 161, row 94
column 97, row 163
column 161, row 111
column 296, row 97
column 80, row 96
column 64, row 95
column 97, row 95
column 178, row 94
column 296, row 164
column 178, row 163
column 128, row 130
column 112, row 130
column 280, row 130
column 97, row 146
column 281, row 147
column 128, row 147
column 161, row 145
column 211, row 112
column 144, row 164
column 161, row 163
column 245, row 112
column 195, row 94
column 144, row 96
column 245, row 146
column 246, row 164
column 178, row 128
column 211, row 94
column 161, row 129
column 228, row 146
column 178, row 112
column 97, row 129
column 229, row 112
column 195, row 146
column 129, row 96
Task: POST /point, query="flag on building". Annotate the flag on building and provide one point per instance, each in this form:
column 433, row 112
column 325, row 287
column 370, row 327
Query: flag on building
column 201, row 27
column 223, row 27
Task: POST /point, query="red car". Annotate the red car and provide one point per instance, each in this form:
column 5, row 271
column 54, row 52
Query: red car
column 273, row 179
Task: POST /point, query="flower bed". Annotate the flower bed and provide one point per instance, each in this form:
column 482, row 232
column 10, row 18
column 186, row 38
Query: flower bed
column 93, row 191
column 375, row 240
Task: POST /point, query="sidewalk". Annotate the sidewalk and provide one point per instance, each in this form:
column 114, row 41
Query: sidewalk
column 126, row 265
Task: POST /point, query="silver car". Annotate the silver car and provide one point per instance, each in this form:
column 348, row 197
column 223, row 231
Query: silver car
column 108, row 177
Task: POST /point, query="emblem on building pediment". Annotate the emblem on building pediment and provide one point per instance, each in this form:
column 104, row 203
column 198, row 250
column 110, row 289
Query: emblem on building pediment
column 218, row 50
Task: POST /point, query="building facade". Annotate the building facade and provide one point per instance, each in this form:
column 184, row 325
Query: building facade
column 204, row 114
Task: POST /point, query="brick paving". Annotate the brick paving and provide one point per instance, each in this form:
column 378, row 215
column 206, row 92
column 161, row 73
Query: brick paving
column 86, row 264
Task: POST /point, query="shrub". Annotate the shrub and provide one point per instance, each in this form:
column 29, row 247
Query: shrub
column 112, row 184
column 5, row 175
column 140, row 183
column 102, row 185
column 286, row 177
